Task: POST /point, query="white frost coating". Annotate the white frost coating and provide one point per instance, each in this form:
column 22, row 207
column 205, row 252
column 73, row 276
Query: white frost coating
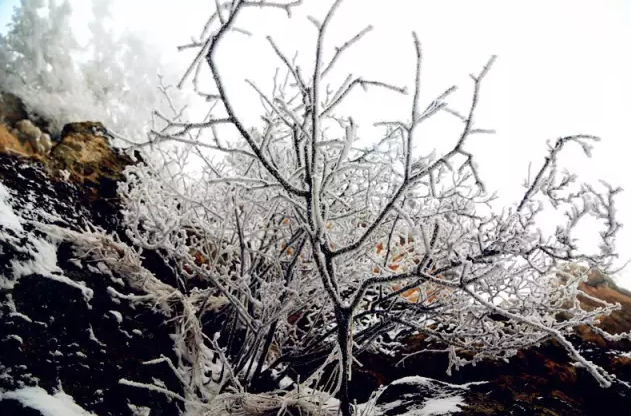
column 42, row 252
column 21, row 315
column 426, row 381
column 44, row 262
column 285, row 382
column 94, row 338
column 117, row 315
column 77, row 263
column 438, row 406
column 117, row 280
column 139, row 410
column 443, row 402
column 86, row 291
column 7, row 216
column 102, row 267
column 59, row 404
column 16, row 337
column 352, row 214
column 13, row 310
column 127, row 334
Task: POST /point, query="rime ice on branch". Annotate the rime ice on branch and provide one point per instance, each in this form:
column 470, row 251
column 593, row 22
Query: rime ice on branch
column 321, row 249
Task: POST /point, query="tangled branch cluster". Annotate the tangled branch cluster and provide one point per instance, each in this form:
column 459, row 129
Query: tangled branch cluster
column 313, row 248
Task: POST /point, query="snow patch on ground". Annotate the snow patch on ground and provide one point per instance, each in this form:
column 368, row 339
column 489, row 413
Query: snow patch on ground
column 59, row 404
column 44, row 262
column 10, row 304
column 139, row 410
column 439, row 406
column 420, row 380
column 8, row 218
column 94, row 338
column 420, row 396
column 117, row 315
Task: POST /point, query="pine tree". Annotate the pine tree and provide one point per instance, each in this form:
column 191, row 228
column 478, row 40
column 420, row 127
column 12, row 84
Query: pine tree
column 23, row 60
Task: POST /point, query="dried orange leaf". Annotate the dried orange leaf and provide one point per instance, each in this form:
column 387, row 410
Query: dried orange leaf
column 379, row 248
column 409, row 292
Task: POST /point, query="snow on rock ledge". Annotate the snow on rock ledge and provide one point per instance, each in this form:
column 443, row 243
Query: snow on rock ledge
column 422, row 396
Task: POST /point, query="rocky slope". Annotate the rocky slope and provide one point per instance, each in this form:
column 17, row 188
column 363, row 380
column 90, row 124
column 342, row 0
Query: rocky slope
column 60, row 327
column 67, row 340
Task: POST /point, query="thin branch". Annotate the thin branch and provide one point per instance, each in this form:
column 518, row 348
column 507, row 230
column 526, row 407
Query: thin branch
column 340, row 50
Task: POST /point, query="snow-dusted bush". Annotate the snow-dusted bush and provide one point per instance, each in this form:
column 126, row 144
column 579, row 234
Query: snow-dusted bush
column 112, row 77
column 311, row 247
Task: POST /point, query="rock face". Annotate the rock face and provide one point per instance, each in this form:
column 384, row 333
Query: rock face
column 85, row 152
column 82, row 149
column 12, row 109
column 60, row 328
column 64, row 334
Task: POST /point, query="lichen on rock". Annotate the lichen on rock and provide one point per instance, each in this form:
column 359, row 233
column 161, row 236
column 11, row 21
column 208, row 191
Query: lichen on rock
column 84, row 151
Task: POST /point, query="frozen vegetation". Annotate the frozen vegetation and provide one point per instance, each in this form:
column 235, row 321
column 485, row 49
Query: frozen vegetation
column 291, row 242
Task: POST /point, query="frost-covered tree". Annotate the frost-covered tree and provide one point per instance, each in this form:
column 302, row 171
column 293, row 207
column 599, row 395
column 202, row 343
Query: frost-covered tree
column 122, row 71
column 40, row 43
column 298, row 244
column 112, row 78
column 35, row 59
column 22, row 45
column 102, row 73
column 58, row 47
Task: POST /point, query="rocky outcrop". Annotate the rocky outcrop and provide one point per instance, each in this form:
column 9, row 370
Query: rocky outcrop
column 12, row 109
column 81, row 152
column 85, row 152
column 11, row 144
column 60, row 327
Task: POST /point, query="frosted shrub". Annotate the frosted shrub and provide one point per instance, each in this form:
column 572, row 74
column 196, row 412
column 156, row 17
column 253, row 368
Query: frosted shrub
column 311, row 248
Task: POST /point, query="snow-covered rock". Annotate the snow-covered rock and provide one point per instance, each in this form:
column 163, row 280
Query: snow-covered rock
column 421, row 396
column 66, row 340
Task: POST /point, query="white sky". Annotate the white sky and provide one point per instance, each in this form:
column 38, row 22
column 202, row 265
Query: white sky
column 563, row 68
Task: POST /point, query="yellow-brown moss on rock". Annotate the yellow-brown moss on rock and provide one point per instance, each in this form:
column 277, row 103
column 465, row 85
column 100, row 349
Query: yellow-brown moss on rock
column 83, row 149
column 10, row 144
column 85, row 152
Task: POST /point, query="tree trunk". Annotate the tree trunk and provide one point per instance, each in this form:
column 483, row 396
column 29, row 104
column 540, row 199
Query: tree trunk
column 343, row 316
